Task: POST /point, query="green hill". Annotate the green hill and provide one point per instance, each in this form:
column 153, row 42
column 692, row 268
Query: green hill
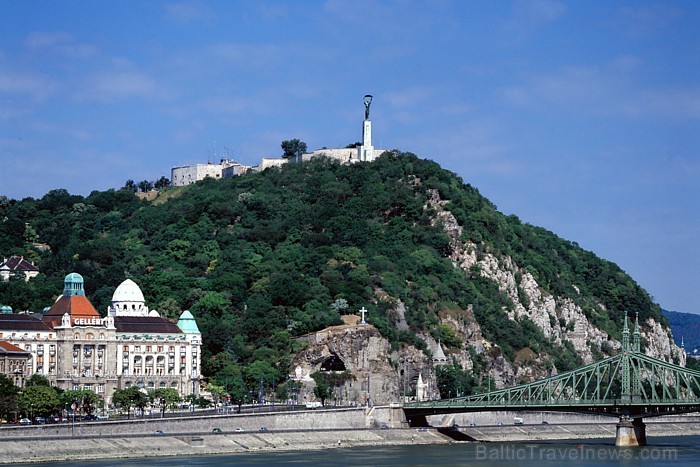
column 265, row 257
column 686, row 329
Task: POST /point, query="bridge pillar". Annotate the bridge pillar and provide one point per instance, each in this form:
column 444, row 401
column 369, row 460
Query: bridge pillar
column 631, row 432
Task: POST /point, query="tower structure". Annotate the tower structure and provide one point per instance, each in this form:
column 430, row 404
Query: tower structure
column 366, row 151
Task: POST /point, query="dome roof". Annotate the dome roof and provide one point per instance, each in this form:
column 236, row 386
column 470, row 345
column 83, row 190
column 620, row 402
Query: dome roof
column 128, row 291
column 187, row 324
column 73, row 285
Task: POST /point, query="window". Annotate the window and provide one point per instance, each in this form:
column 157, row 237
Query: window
column 100, row 388
column 149, row 348
column 89, row 335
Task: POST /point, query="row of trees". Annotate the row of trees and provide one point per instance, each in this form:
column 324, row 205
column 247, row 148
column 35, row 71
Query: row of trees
column 146, row 185
column 39, row 399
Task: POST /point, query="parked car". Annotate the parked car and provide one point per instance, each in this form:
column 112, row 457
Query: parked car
column 89, row 417
column 159, row 432
column 103, row 417
column 25, row 421
column 216, row 430
column 41, row 420
column 239, row 430
column 264, row 428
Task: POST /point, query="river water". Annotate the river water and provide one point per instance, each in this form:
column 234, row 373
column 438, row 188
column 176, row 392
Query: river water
column 664, row 451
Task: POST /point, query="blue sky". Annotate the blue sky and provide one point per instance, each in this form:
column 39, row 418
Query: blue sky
column 580, row 117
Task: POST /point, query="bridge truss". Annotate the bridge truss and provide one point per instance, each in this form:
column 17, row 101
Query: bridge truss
column 630, row 385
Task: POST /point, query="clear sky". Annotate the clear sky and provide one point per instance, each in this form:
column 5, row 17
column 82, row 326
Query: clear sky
column 581, row 117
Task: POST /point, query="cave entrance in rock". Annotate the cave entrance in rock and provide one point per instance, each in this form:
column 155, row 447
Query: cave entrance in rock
column 333, row 363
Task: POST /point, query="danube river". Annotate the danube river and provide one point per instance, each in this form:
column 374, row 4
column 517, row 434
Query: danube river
column 665, row 451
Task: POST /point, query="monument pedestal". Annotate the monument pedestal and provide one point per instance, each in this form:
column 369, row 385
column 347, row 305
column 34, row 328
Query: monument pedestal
column 631, row 432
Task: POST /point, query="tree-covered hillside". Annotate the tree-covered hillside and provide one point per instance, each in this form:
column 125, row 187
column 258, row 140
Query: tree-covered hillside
column 264, row 257
column 686, row 329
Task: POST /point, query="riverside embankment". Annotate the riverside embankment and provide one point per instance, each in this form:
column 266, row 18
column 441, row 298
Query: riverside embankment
column 302, row 430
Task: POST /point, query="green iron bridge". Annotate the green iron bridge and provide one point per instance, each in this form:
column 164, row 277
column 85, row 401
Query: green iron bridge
column 629, row 385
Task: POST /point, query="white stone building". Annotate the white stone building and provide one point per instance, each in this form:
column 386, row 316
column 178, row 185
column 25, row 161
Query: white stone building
column 188, row 174
column 76, row 348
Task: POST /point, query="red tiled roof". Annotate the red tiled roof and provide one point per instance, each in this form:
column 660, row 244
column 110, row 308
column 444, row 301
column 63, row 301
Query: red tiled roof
column 6, row 347
column 18, row 263
column 17, row 322
column 77, row 306
column 145, row 324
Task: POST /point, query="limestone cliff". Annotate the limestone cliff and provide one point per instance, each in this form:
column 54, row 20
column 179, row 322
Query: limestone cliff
column 559, row 318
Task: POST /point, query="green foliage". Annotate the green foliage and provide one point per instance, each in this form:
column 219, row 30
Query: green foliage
column 453, row 381
column 293, row 149
column 9, row 397
column 37, row 380
column 166, row 398
column 39, row 401
column 266, row 257
column 131, row 397
column 85, row 400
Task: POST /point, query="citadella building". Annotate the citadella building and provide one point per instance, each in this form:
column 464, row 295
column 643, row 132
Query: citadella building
column 76, row 348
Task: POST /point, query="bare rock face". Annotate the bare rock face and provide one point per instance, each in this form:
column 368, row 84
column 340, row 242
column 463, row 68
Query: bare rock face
column 660, row 343
column 367, row 355
column 559, row 318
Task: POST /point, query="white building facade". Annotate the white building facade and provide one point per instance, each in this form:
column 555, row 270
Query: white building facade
column 76, row 348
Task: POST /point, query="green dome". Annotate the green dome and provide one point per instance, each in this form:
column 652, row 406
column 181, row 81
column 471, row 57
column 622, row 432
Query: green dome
column 5, row 310
column 73, row 285
column 187, row 324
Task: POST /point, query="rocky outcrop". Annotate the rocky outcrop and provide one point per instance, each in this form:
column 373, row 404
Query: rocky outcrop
column 559, row 318
column 380, row 375
column 660, row 343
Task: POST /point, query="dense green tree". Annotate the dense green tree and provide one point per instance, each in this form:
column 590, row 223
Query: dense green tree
column 39, row 401
column 161, row 183
column 9, row 398
column 85, row 400
column 293, row 149
column 131, row 397
column 453, row 380
column 322, row 389
column 165, row 398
